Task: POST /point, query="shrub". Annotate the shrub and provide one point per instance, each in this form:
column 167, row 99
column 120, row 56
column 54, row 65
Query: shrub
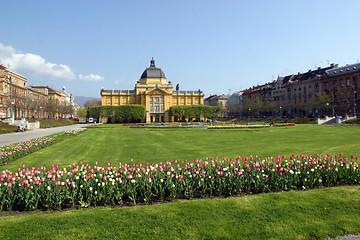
column 123, row 113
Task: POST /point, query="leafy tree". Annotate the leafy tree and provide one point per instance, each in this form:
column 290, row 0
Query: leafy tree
column 194, row 111
column 123, row 113
column 81, row 112
column 321, row 102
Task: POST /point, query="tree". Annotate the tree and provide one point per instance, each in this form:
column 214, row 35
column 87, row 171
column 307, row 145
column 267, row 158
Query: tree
column 81, row 112
column 93, row 102
column 266, row 107
column 321, row 102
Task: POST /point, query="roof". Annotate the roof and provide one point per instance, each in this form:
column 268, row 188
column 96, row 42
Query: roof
column 211, row 97
column 117, row 91
column 153, row 71
column 311, row 74
column 343, row 70
column 2, row 67
column 51, row 90
column 188, row 91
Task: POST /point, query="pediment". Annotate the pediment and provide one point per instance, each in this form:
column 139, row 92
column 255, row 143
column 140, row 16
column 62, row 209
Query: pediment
column 156, row 91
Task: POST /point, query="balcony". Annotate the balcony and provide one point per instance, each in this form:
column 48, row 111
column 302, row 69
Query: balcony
column 156, row 111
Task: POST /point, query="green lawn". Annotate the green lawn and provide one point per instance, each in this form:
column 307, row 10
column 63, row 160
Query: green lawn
column 312, row 214
column 115, row 143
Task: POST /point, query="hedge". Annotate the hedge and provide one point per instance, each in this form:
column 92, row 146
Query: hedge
column 123, row 113
column 194, row 111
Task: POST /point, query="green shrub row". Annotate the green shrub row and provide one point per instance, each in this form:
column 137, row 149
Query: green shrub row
column 123, row 113
column 194, row 111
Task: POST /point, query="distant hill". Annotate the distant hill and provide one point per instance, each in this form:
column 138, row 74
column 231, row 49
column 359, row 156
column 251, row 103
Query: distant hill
column 80, row 100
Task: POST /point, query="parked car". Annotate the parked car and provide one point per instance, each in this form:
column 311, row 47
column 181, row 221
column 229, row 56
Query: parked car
column 20, row 128
column 91, row 120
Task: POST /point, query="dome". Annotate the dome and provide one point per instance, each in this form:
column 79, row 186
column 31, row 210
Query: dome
column 152, row 71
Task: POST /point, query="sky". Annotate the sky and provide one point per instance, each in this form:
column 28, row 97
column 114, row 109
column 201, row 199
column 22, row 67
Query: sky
column 216, row 46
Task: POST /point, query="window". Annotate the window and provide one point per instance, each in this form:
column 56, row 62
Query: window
column 162, row 99
column 162, row 107
column 151, row 99
column 156, row 107
column 348, row 82
column 156, row 99
column 151, row 107
column 341, row 83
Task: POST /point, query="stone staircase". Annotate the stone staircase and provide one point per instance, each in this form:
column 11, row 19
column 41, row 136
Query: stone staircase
column 24, row 123
column 332, row 120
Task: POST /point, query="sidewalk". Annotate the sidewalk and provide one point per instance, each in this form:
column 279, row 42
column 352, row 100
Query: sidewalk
column 9, row 138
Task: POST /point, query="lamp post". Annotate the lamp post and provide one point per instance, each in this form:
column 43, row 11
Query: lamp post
column 280, row 112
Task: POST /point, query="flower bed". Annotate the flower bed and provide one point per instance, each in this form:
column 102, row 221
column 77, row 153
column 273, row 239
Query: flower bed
column 13, row 152
column 236, row 126
column 144, row 125
column 284, row 124
column 74, row 132
column 85, row 185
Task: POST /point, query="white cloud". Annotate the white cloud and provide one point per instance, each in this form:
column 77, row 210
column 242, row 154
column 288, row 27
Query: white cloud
column 33, row 64
column 91, row 77
column 117, row 82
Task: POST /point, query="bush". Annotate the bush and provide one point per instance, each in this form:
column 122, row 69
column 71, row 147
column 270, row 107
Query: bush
column 194, row 111
column 123, row 113
column 6, row 128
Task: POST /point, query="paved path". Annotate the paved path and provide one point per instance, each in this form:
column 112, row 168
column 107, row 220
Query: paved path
column 6, row 139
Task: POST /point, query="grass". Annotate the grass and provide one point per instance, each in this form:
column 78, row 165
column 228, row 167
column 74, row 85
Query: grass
column 49, row 123
column 313, row 214
column 115, row 143
column 6, row 128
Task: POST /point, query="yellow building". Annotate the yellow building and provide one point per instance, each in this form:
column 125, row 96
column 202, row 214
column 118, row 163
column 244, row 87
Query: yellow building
column 13, row 94
column 155, row 93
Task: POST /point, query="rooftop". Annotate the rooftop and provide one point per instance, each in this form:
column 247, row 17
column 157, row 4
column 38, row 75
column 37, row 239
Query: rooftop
column 153, row 71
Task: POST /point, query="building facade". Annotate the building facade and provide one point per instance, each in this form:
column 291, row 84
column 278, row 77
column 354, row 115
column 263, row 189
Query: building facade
column 293, row 95
column 155, row 93
column 13, row 94
column 342, row 86
column 18, row 100
column 296, row 94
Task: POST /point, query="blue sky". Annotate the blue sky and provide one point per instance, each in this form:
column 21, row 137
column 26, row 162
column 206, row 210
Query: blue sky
column 209, row 45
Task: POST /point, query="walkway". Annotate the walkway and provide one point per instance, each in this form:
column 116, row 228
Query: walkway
column 9, row 138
